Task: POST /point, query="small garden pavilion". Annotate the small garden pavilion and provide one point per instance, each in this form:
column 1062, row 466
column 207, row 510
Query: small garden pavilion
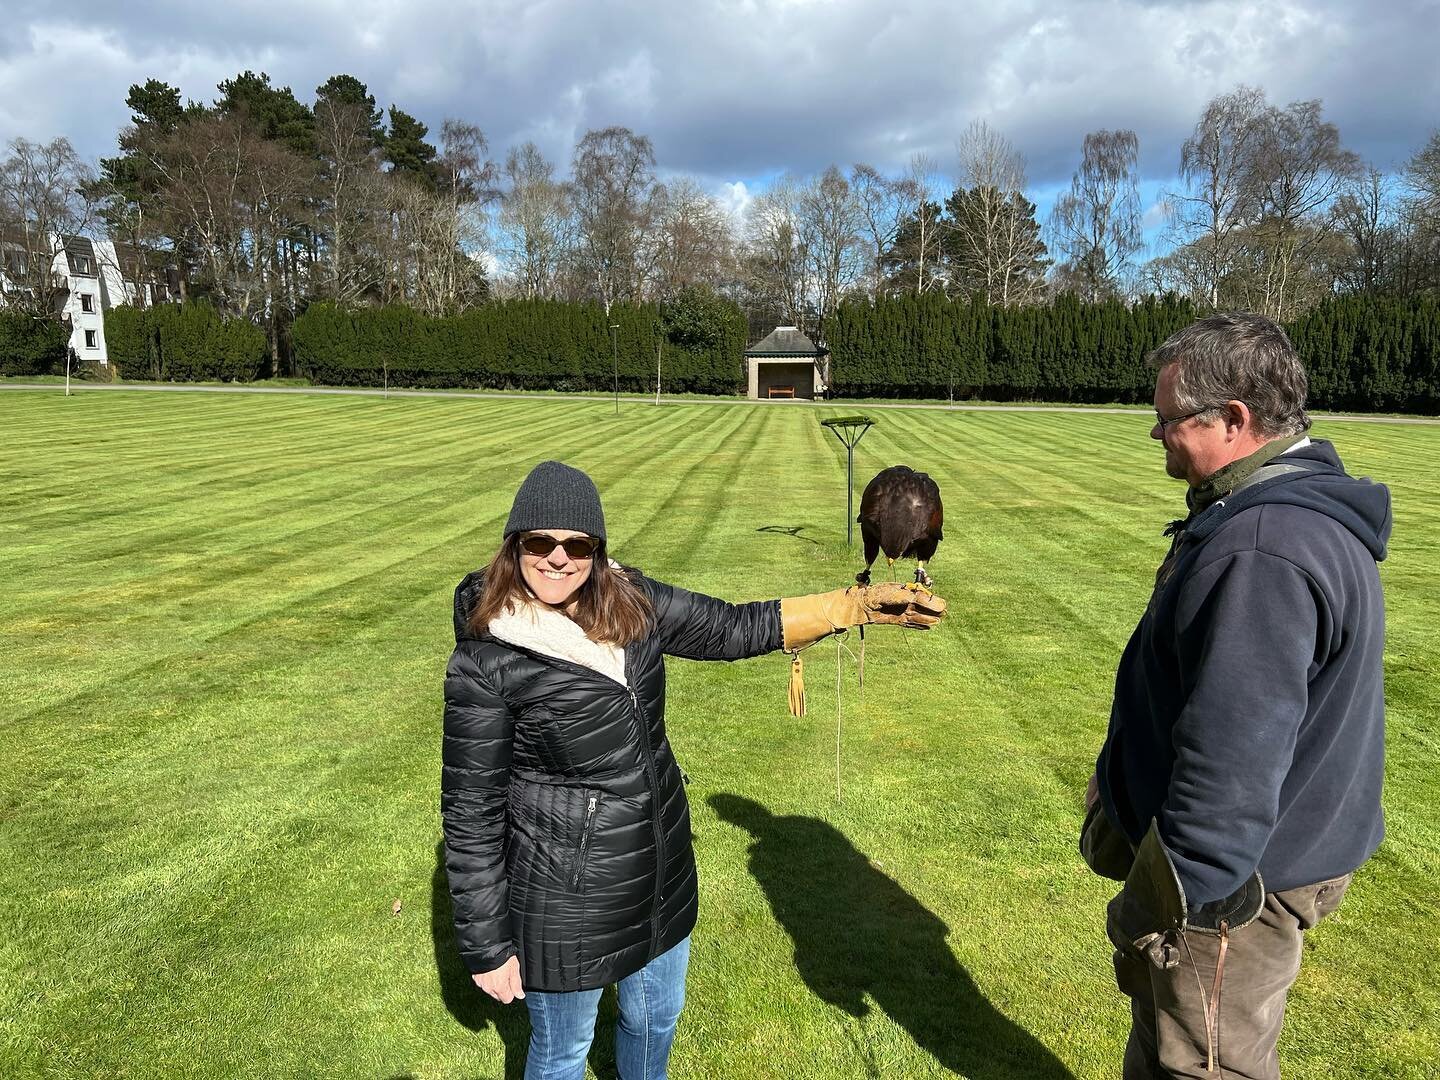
column 786, row 364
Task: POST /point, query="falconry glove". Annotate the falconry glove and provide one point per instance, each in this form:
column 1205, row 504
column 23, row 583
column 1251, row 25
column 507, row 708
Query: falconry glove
column 805, row 620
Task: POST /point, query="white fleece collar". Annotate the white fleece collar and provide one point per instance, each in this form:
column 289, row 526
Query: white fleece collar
column 545, row 630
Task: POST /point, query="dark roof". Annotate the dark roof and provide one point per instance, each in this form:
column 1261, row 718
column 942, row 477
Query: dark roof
column 785, row 341
column 13, row 236
column 80, row 247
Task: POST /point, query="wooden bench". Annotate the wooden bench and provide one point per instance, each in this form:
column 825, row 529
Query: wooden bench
column 781, row 391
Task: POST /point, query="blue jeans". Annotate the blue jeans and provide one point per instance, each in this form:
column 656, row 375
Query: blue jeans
column 562, row 1025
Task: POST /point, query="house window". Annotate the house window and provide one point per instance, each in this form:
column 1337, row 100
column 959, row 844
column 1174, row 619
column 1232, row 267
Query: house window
column 90, row 340
column 82, row 264
column 87, row 302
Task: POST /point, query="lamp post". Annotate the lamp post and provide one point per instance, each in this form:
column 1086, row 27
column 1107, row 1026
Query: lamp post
column 69, row 321
column 615, row 353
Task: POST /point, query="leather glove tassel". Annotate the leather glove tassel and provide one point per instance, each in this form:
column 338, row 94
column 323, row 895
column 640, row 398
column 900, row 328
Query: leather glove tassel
column 797, row 685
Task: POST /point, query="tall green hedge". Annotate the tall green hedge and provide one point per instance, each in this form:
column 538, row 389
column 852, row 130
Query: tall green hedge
column 1372, row 353
column 929, row 346
column 31, row 346
column 520, row 344
column 130, row 341
column 188, row 342
column 1363, row 353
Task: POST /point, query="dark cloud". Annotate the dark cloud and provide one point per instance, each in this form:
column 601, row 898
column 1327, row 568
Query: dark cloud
column 741, row 89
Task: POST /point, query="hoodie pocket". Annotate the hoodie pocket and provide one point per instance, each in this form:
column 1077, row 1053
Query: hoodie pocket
column 587, row 833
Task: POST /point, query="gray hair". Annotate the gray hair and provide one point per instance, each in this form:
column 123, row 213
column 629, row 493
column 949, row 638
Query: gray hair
column 1238, row 356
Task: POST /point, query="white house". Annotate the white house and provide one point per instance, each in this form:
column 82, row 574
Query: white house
column 95, row 276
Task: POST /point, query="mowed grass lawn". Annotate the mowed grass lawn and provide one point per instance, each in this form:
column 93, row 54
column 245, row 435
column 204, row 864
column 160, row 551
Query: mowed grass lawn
column 223, row 627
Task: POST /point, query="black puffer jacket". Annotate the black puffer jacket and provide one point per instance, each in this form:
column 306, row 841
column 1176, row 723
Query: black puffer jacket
column 567, row 832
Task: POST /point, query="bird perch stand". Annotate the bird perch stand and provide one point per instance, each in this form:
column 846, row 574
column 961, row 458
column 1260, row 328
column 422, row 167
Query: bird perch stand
column 849, row 430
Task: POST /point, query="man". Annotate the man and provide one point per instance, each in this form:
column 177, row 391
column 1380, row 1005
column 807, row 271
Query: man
column 1239, row 784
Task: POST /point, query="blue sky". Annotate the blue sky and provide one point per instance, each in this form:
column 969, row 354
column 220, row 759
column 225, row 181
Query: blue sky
column 737, row 91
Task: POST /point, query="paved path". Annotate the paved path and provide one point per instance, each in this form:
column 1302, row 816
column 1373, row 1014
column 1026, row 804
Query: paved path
column 779, row 403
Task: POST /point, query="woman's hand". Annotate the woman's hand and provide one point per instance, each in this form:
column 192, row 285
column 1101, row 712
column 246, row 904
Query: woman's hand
column 804, row 620
column 502, row 984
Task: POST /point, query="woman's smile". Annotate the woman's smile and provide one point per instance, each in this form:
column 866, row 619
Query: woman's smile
column 556, row 576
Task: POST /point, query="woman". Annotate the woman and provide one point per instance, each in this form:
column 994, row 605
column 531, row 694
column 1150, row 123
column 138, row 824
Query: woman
column 567, row 832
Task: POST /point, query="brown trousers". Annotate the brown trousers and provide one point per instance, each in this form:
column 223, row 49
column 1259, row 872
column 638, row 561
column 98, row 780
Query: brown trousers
column 1167, row 1008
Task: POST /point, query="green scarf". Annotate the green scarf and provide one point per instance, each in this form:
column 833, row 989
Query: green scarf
column 1222, row 482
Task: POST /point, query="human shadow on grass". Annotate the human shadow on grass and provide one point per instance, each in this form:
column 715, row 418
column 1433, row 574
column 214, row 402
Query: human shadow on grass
column 465, row 1001
column 858, row 934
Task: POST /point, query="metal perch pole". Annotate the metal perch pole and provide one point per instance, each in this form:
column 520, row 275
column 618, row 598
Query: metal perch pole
column 849, row 430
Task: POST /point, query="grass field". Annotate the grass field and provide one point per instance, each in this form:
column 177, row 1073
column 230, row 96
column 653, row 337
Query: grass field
column 222, row 630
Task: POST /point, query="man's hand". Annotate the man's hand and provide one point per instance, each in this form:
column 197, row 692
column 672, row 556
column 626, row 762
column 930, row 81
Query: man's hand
column 1092, row 791
column 502, row 984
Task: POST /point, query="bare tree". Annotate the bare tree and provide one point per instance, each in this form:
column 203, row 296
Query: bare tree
column 465, row 184
column 692, row 239
column 1096, row 224
column 127, row 220
column 1422, row 173
column 45, row 200
column 915, row 262
column 351, row 207
column 613, row 196
column 436, row 247
column 1364, row 218
column 1217, row 164
column 279, row 188
column 533, row 228
column 1299, row 169
column 828, row 228
column 993, row 244
column 237, row 204
column 204, row 169
column 883, row 204
column 1419, row 256
column 774, row 259
column 1185, row 270
column 919, row 185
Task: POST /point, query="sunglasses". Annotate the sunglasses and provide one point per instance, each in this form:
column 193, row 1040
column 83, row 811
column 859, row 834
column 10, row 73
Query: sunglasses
column 577, row 547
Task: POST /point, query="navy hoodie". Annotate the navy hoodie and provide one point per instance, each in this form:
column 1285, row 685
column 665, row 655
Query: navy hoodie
column 1249, row 709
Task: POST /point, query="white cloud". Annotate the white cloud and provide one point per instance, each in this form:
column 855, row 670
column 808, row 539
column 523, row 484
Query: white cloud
column 734, row 199
column 751, row 88
column 1154, row 216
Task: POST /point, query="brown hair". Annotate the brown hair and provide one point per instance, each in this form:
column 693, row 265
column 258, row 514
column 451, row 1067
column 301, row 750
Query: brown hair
column 610, row 607
column 1242, row 357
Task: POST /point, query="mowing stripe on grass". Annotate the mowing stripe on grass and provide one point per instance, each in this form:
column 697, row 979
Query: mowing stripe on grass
column 222, row 719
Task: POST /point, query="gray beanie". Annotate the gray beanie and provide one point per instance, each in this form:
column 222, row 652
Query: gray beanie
column 556, row 496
